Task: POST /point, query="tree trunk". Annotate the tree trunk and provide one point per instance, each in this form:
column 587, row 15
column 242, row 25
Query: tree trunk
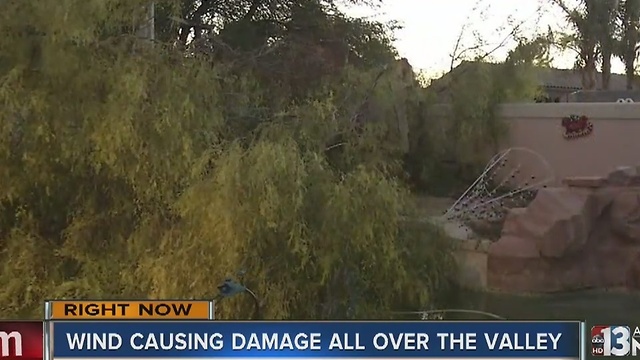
column 606, row 69
column 589, row 74
column 147, row 28
column 589, row 58
column 630, row 72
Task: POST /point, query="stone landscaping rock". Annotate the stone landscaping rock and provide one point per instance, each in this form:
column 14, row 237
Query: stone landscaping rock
column 585, row 235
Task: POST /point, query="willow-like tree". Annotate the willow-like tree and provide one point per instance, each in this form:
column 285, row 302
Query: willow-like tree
column 120, row 179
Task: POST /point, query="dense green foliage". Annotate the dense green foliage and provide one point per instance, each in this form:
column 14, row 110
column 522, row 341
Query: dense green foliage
column 131, row 170
column 465, row 129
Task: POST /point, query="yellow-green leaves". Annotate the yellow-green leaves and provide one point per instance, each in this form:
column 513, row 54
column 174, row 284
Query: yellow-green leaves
column 134, row 171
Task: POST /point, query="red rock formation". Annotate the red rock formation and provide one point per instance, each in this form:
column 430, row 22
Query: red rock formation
column 584, row 235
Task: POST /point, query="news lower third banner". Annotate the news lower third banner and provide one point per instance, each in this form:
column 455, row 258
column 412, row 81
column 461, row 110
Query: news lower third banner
column 318, row 340
column 129, row 310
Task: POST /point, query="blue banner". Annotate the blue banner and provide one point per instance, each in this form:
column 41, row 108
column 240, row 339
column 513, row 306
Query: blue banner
column 220, row 339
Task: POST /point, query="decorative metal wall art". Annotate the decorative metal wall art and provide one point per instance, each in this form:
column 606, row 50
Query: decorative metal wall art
column 576, row 126
column 510, row 180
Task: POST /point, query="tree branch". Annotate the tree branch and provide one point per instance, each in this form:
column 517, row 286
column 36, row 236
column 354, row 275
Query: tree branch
column 252, row 10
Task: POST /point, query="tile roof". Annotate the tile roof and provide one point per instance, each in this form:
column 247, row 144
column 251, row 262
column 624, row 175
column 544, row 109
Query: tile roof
column 572, row 79
column 548, row 77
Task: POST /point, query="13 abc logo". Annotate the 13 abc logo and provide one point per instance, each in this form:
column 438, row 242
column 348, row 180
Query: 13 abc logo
column 597, row 345
column 612, row 341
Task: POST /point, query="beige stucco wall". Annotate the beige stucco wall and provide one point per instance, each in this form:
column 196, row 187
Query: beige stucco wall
column 614, row 142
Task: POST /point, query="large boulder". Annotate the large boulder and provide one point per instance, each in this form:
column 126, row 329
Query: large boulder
column 583, row 235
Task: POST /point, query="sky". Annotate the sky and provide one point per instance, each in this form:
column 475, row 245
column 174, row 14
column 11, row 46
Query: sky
column 432, row 27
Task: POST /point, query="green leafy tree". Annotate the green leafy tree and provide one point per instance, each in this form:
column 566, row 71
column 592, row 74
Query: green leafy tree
column 462, row 133
column 132, row 170
column 533, row 52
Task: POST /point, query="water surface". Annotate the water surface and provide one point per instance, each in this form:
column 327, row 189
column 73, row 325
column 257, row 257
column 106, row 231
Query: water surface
column 592, row 306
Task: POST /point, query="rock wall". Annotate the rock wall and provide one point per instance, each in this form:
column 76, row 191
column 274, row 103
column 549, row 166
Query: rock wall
column 583, row 235
column 471, row 257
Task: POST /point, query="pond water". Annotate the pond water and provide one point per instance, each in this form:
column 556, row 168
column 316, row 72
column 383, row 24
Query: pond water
column 592, row 306
column 597, row 308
